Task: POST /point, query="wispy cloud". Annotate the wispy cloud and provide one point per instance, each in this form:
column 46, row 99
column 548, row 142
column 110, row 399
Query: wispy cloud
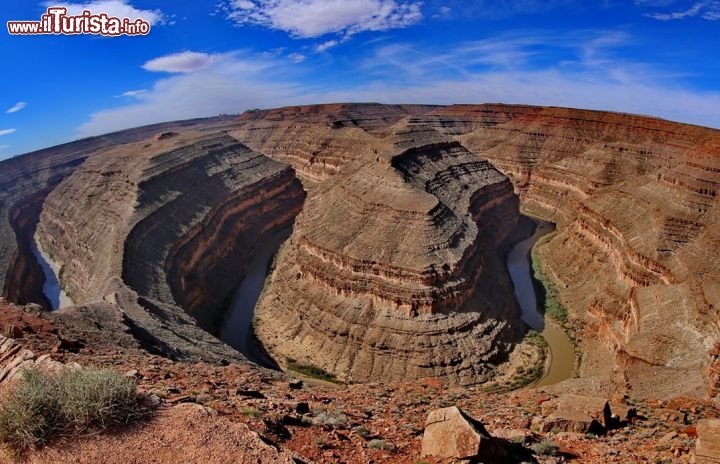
column 326, row 45
column 315, row 18
column 709, row 10
column 297, row 57
column 495, row 9
column 184, row 62
column 116, row 8
column 581, row 69
column 132, row 93
column 17, row 107
column 4, row 147
column 7, row 131
column 229, row 83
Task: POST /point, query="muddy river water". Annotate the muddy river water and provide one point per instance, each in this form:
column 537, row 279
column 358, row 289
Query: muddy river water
column 51, row 287
column 562, row 356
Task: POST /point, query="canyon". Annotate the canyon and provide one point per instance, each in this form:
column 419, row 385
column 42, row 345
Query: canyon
column 401, row 219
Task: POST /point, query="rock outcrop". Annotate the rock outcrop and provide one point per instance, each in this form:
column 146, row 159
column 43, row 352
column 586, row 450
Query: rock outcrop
column 26, row 181
column 578, row 414
column 707, row 446
column 388, row 272
column 164, row 228
column 320, row 140
column 450, row 433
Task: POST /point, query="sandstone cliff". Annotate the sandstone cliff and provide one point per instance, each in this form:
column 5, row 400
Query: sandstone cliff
column 404, row 227
column 635, row 200
column 26, row 181
column 163, row 229
column 394, row 270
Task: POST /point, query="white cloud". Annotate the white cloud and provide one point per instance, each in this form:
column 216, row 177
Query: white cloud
column 230, row 83
column 117, row 8
column 17, row 107
column 326, row 45
column 132, row 93
column 297, row 57
column 7, row 131
column 574, row 70
column 709, row 10
column 314, row 18
column 4, row 147
column 183, row 62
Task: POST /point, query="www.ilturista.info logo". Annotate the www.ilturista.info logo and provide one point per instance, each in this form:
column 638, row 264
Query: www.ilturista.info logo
column 57, row 21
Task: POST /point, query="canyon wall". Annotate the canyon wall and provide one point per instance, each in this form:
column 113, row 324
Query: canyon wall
column 395, row 268
column 163, row 228
column 635, row 200
column 26, row 180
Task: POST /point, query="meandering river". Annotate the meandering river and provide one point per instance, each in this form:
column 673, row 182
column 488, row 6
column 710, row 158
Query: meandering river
column 51, row 287
column 236, row 330
column 562, row 356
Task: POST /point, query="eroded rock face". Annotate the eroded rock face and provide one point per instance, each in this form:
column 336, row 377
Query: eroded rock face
column 707, row 446
column 26, row 180
column 164, row 228
column 394, row 269
column 635, row 201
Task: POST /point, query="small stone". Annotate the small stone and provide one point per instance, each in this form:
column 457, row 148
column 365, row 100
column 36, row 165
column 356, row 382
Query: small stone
column 670, row 415
column 296, row 385
column 302, row 408
column 665, row 439
column 250, row 393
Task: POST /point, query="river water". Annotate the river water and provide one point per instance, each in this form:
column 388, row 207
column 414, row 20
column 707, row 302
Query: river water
column 562, row 355
column 236, row 330
column 51, row 287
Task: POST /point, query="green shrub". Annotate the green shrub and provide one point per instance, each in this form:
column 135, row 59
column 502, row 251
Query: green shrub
column 381, row 444
column 69, row 402
column 250, row 411
column 362, row 431
column 96, row 398
column 552, row 307
column 311, row 371
column 546, row 447
column 331, row 420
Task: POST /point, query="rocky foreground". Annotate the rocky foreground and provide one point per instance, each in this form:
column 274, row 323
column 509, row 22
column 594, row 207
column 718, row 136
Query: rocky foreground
column 238, row 413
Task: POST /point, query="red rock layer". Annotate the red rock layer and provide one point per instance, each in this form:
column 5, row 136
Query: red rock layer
column 394, row 268
column 164, row 229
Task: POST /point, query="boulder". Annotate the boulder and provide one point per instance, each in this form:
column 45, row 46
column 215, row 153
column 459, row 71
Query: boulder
column 707, row 446
column 450, row 433
column 577, row 413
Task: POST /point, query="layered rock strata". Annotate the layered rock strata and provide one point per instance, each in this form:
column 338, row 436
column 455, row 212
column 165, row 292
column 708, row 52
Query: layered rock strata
column 164, row 228
column 26, row 181
column 320, row 140
column 394, row 269
column 635, row 200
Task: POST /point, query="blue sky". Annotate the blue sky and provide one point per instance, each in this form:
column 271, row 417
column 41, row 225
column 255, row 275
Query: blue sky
column 202, row 58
